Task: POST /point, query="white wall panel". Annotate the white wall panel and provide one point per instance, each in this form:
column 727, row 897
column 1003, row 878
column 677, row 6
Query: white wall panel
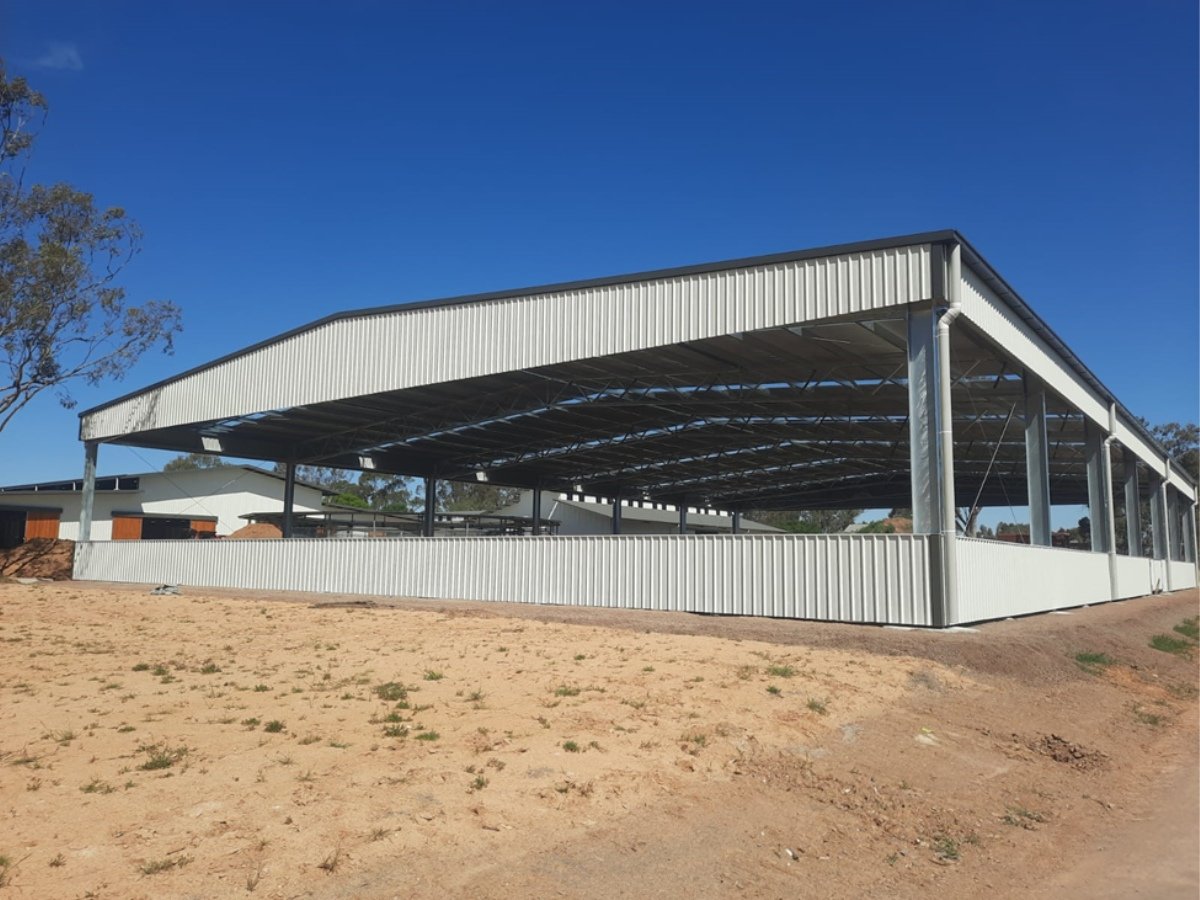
column 391, row 350
column 853, row 578
column 1135, row 577
column 1182, row 574
column 996, row 580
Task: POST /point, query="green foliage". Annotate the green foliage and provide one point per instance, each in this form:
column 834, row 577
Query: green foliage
column 1092, row 663
column 1168, row 644
column 812, row 521
column 878, row 527
column 63, row 317
column 193, row 461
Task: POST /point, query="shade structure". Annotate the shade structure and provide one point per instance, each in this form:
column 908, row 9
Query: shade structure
column 825, row 378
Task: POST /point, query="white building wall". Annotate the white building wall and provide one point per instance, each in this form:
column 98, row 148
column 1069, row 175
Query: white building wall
column 226, row 493
column 573, row 519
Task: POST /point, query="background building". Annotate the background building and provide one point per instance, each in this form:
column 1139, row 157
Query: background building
column 150, row 505
column 592, row 516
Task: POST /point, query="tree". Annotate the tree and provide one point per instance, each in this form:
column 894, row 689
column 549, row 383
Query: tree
column 193, row 461
column 474, row 496
column 1181, row 440
column 63, row 318
column 806, row 521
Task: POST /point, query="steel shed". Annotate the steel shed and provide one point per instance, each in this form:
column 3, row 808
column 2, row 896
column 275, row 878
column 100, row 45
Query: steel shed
column 898, row 372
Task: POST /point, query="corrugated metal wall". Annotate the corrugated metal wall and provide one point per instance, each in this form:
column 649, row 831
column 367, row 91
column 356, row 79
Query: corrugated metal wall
column 851, row 578
column 390, row 351
column 996, row 580
column 1182, row 575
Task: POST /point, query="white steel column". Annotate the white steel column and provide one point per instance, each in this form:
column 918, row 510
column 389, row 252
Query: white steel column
column 88, row 500
column 1098, row 509
column 922, row 421
column 1189, row 533
column 1037, row 460
column 1172, row 523
column 1158, row 518
column 1133, row 504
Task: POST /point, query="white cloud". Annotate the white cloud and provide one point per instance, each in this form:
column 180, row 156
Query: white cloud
column 60, row 55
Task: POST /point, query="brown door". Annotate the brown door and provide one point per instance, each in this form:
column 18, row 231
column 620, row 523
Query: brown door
column 204, row 526
column 41, row 524
column 126, row 528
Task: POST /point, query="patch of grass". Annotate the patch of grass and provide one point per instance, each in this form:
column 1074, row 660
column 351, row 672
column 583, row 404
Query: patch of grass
column 1168, row 644
column 1148, row 718
column 475, row 696
column 946, row 847
column 570, row 746
column 395, row 731
column 160, row 756
column 1093, row 663
column 274, row 727
column 579, row 657
column 378, row 834
column 261, row 688
column 781, row 671
column 1189, row 628
column 391, row 691
column 161, row 671
column 141, row 667
column 57, row 861
column 1020, row 817
column 820, row 707
column 428, row 736
column 774, row 689
column 431, row 675
column 155, row 866
column 6, row 865
column 96, row 786
column 210, row 668
column 647, row 668
column 251, row 722
column 309, row 739
column 566, row 690
column 479, row 783
column 330, row 862
column 125, row 729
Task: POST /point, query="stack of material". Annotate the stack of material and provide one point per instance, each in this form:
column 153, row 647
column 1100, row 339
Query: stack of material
column 39, row 558
column 256, row 531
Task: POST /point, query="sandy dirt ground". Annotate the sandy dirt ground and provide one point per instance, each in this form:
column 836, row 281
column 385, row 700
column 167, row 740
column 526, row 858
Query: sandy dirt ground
column 226, row 743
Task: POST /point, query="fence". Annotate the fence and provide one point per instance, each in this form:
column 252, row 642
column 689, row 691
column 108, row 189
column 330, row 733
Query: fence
column 851, row 578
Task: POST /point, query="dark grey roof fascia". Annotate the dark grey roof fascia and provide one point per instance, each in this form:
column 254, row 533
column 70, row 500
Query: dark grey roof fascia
column 930, row 237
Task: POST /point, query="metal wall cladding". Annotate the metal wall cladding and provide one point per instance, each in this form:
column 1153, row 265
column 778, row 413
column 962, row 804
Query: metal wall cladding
column 997, row 580
column 982, row 307
column 400, row 349
column 1137, row 576
column 848, row 578
column 1180, row 575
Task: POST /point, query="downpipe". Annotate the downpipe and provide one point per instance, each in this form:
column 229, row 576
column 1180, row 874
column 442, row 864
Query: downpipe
column 1110, row 515
column 950, row 612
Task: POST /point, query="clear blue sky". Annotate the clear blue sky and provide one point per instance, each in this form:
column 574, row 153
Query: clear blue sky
column 289, row 160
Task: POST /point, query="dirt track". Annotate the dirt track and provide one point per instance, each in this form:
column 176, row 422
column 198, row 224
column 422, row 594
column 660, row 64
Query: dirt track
column 584, row 753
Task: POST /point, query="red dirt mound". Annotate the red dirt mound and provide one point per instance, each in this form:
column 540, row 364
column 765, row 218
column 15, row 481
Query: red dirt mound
column 256, row 531
column 39, row 558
